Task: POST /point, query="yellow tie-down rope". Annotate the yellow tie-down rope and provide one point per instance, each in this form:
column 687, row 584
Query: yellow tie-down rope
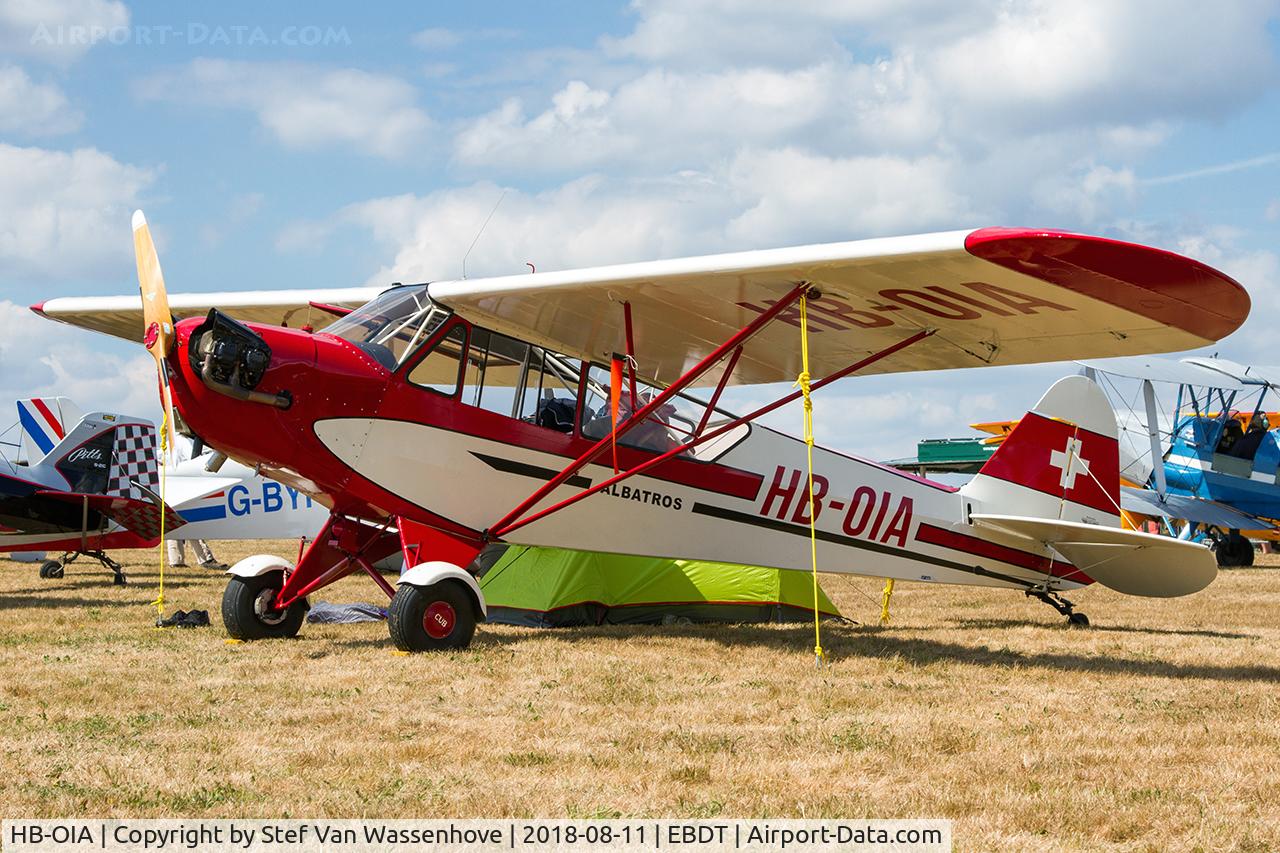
column 884, row 601
column 164, row 502
column 803, row 381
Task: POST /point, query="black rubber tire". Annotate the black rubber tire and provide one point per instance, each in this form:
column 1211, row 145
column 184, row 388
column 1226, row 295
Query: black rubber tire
column 119, row 580
column 50, row 569
column 242, row 609
column 1223, row 551
column 1078, row 620
column 409, row 608
column 1243, row 550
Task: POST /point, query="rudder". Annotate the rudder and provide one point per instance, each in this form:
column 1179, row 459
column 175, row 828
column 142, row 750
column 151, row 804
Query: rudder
column 44, row 422
column 1062, row 460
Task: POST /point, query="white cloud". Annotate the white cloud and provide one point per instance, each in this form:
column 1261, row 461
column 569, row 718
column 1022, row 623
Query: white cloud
column 710, row 33
column 1086, row 194
column 66, row 215
column 59, row 30
column 909, row 79
column 33, row 109
column 1258, row 270
column 435, row 38
column 761, row 198
column 34, row 362
column 877, row 418
column 305, row 106
column 792, row 196
column 995, row 57
column 584, row 222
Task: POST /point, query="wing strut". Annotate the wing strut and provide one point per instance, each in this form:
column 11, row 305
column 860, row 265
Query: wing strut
column 513, row 520
column 638, row 415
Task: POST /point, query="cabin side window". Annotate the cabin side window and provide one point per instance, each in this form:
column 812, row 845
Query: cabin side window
column 518, row 380
column 550, row 390
column 438, row 370
column 671, row 425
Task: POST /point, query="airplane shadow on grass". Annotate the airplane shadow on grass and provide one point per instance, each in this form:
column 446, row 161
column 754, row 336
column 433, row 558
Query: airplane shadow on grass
column 853, row 641
column 978, row 624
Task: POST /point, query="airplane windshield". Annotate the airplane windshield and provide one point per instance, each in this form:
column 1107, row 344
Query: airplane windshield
column 391, row 326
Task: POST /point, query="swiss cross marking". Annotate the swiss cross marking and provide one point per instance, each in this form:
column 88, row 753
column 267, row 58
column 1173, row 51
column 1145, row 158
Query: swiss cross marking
column 1070, row 462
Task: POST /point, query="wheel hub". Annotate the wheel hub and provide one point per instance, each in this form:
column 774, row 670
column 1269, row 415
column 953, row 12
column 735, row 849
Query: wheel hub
column 264, row 607
column 439, row 619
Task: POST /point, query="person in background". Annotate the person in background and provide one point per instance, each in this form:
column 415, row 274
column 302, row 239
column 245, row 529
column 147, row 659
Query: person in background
column 176, row 549
column 1246, row 447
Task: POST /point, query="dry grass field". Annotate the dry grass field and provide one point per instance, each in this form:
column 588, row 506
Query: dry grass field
column 1157, row 729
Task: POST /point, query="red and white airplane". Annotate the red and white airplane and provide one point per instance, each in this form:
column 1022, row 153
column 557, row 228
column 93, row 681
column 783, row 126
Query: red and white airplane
column 558, row 409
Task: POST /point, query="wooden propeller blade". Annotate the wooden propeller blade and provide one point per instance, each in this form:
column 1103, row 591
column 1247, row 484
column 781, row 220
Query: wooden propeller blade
column 157, row 321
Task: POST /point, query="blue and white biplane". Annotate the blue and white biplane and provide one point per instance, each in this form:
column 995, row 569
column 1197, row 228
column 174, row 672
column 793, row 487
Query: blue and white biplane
column 1211, row 460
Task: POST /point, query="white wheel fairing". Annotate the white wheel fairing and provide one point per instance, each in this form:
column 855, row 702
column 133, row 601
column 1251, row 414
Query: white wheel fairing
column 434, row 571
column 260, row 564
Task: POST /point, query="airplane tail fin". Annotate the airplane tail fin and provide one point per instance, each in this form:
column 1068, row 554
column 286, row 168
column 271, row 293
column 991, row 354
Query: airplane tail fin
column 1061, row 461
column 1055, row 484
column 109, row 464
column 108, row 454
column 44, row 422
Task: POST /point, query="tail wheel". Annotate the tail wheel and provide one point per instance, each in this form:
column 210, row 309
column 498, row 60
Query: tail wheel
column 51, row 569
column 249, row 613
column 431, row 618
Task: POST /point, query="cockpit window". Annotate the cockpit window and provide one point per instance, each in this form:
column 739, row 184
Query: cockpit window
column 392, row 326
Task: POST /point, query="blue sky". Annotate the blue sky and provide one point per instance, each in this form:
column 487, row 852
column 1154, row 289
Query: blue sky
column 276, row 146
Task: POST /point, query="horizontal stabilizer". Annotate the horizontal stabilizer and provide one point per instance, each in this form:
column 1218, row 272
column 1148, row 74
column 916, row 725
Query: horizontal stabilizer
column 141, row 517
column 1124, row 560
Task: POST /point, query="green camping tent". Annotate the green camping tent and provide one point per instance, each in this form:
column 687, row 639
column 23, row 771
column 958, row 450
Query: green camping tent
column 552, row 587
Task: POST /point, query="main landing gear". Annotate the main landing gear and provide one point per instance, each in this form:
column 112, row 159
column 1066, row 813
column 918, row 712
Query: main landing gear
column 54, row 569
column 1062, row 605
column 431, row 618
column 436, row 606
column 1231, row 549
column 249, row 609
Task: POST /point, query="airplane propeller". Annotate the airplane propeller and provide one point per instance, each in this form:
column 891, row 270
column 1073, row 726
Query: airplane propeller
column 157, row 320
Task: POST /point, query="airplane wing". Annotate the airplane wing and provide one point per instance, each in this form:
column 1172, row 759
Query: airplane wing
column 994, row 296
column 137, row 516
column 121, row 316
column 1185, row 372
column 1187, row 508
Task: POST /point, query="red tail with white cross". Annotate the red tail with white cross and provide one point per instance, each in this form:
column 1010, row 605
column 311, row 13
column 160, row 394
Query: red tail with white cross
column 1061, row 461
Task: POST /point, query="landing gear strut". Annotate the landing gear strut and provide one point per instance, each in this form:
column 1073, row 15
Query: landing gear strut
column 1062, row 605
column 54, row 569
column 1231, row 548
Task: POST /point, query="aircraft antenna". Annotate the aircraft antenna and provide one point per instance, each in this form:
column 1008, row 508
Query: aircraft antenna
column 481, row 231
